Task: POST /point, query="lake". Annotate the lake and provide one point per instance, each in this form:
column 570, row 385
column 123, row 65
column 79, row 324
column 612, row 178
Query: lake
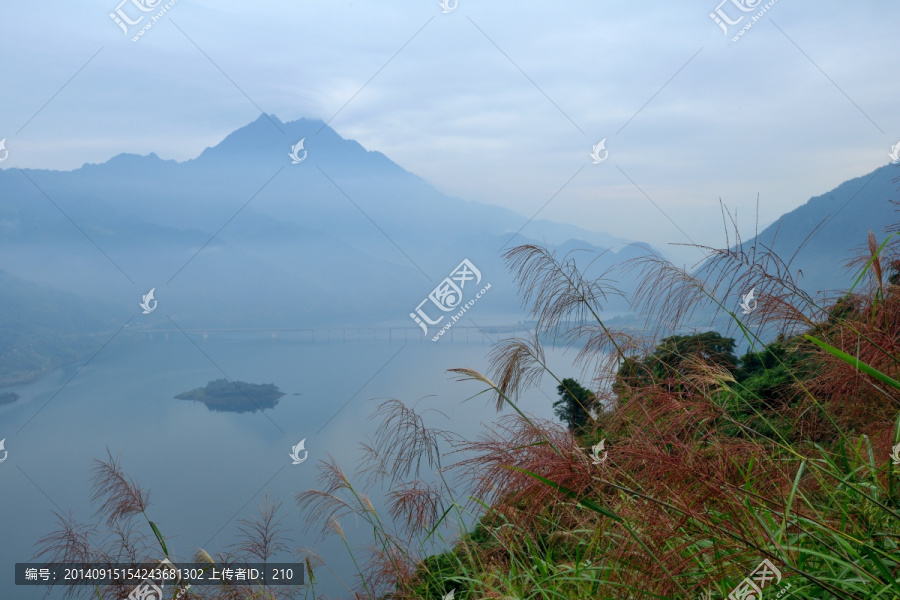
column 209, row 469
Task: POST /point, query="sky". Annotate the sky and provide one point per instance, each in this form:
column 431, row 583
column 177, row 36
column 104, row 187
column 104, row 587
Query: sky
column 498, row 102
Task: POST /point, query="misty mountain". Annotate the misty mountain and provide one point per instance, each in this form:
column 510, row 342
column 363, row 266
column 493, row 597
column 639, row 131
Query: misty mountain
column 832, row 228
column 42, row 329
column 240, row 236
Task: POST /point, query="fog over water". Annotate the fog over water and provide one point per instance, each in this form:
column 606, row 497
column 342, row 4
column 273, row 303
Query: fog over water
column 208, row 469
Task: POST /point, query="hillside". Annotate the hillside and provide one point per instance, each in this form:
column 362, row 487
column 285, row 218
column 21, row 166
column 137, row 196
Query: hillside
column 835, row 224
column 42, row 329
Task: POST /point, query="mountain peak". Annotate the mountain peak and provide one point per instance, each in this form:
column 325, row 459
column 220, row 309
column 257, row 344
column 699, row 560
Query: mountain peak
column 268, row 141
column 263, row 118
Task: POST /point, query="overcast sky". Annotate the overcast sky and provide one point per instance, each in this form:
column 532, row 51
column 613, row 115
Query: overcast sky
column 498, row 102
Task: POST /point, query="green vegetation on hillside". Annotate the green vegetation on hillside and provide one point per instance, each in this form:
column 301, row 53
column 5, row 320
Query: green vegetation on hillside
column 705, row 469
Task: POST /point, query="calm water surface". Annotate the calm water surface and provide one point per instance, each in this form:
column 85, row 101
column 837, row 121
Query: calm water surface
column 207, row 470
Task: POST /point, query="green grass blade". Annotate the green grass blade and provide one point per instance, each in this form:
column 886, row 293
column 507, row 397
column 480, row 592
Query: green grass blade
column 872, row 260
column 159, row 537
column 855, row 362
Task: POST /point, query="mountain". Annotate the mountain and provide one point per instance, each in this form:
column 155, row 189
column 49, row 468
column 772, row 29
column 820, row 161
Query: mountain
column 241, row 237
column 818, row 240
column 832, row 228
column 42, row 329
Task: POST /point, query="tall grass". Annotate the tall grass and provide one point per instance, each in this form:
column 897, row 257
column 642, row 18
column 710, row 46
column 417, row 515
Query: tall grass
column 708, row 472
column 120, row 534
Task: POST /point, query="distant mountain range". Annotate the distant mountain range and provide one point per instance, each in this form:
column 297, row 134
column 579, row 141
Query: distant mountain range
column 242, row 237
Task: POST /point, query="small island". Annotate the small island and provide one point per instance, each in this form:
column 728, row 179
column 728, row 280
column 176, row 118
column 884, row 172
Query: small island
column 8, row 398
column 236, row 396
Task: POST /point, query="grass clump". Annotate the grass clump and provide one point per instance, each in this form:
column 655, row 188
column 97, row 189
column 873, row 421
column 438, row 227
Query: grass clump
column 679, row 471
column 774, row 467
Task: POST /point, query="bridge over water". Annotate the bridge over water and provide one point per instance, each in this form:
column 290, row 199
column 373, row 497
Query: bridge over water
column 457, row 334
